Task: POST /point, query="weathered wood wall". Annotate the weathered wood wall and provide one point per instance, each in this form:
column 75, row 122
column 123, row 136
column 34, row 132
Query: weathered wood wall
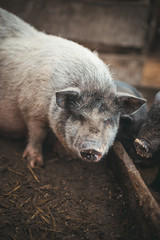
column 109, row 26
column 106, row 25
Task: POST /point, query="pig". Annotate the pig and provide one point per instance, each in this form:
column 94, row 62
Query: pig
column 148, row 141
column 147, row 144
column 51, row 83
column 130, row 124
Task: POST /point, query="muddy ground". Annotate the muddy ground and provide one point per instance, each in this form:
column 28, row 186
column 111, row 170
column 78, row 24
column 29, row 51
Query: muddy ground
column 62, row 200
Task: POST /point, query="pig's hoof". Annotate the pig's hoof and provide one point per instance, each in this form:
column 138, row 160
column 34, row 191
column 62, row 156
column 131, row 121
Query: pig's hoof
column 33, row 157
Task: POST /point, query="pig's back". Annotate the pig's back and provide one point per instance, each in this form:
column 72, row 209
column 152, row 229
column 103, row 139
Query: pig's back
column 33, row 65
column 13, row 26
column 27, row 55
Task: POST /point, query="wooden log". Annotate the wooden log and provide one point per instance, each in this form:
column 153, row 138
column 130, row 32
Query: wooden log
column 144, row 207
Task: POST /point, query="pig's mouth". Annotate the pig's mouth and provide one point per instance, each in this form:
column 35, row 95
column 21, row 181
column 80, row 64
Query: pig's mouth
column 143, row 148
column 91, row 155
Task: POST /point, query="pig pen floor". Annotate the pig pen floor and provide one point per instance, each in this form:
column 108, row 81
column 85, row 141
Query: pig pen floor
column 62, row 200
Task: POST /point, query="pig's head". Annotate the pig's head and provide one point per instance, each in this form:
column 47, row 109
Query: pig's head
column 87, row 122
column 148, row 141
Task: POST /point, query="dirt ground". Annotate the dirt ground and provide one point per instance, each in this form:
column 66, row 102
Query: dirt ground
column 62, row 200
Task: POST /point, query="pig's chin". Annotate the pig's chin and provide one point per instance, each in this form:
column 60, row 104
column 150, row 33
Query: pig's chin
column 94, row 159
column 98, row 158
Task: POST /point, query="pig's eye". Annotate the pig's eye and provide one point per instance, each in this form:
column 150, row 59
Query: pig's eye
column 81, row 118
column 108, row 122
column 78, row 117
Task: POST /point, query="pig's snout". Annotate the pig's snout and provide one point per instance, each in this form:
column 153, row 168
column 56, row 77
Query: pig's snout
column 91, row 155
column 90, row 150
column 142, row 148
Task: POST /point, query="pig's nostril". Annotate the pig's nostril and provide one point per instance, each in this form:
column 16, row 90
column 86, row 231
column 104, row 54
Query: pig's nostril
column 141, row 148
column 90, row 155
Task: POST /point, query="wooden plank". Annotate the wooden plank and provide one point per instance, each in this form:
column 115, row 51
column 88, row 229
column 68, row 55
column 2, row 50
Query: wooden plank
column 143, row 205
column 151, row 73
column 121, row 23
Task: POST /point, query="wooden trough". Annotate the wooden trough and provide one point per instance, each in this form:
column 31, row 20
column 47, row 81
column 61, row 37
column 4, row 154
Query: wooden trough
column 140, row 200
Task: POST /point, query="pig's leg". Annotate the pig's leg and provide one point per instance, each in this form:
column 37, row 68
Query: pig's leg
column 36, row 131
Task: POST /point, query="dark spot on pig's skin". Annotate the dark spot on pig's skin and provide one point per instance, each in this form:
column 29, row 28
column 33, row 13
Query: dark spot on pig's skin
column 94, row 130
column 77, row 117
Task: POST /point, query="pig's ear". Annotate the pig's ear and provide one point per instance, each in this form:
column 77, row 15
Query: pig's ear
column 129, row 103
column 67, row 97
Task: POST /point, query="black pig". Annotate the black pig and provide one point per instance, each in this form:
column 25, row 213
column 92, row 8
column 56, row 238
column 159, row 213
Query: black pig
column 148, row 141
column 130, row 124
